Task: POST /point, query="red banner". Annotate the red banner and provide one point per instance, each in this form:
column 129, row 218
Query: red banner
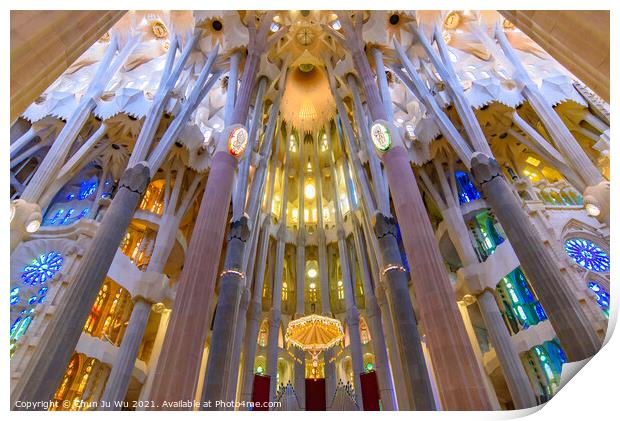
column 260, row 392
column 315, row 395
column 370, row 391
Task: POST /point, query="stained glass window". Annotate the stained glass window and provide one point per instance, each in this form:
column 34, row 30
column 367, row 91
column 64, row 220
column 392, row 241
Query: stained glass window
column 14, row 295
column 42, row 268
column 587, row 254
column 602, row 296
column 87, row 189
column 467, row 191
column 521, row 308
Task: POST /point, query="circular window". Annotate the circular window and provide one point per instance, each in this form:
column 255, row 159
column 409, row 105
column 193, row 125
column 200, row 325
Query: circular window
column 587, row 254
column 42, row 268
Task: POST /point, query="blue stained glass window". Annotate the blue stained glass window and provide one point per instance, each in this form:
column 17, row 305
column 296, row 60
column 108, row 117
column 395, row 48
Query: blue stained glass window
column 87, row 189
column 68, row 215
column 71, row 196
column 56, row 216
column 587, row 254
column 602, row 296
column 14, row 299
column 467, row 190
column 42, row 268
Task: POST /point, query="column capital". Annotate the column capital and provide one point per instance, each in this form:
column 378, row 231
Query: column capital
column 384, row 225
column 150, row 287
column 136, row 178
column 239, row 230
column 484, row 169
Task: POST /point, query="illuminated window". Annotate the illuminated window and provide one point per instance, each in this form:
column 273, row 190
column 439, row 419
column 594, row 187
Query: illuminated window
column 110, row 313
column 42, row 268
column 545, row 362
column 87, row 189
column 520, row 308
column 587, row 254
column 467, row 191
column 153, row 199
column 263, row 333
column 602, row 297
column 340, row 290
column 364, row 331
column 284, row 291
column 533, row 161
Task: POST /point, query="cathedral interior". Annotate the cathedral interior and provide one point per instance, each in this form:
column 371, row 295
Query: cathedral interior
column 305, row 210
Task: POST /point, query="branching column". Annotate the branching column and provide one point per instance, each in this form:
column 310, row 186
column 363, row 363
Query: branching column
column 43, row 375
column 177, row 373
column 232, row 281
column 577, row 336
column 510, row 362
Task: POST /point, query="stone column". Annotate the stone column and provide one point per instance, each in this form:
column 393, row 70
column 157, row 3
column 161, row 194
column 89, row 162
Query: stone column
column 42, row 376
column 461, row 386
column 514, row 372
column 256, row 304
column 177, row 372
column 394, row 359
column 118, row 381
column 329, row 367
column 145, row 393
column 275, row 314
column 300, row 272
column 396, row 282
column 576, row 334
column 352, row 314
column 231, row 90
column 377, row 56
column 232, row 282
column 253, row 317
column 235, row 366
column 373, row 314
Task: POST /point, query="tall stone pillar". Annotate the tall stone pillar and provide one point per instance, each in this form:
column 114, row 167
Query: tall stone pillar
column 177, row 372
column 396, row 282
column 43, row 375
column 576, row 334
column 253, row 317
column 145, row 393
column 254, row 309
column 118, row 381
column 514, row 372
column 373, row 313
column 394, row 359
column 275, row 315
column 232, row 282
column 461, row 386
column 300, row 273
column 352, row 313
column 329, row 367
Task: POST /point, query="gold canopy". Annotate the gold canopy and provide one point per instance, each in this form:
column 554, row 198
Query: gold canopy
column 314, row 333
